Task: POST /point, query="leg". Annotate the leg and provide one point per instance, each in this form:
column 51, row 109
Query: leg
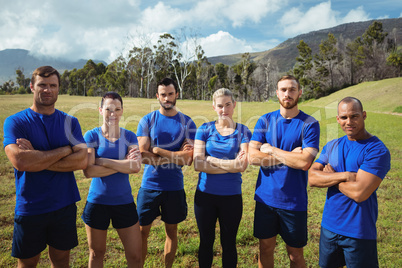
column 266, row 254
column 206, row 216
column 230, row 213
column 97, row 246
column 296, row 257
column 170, row 244
column 59, row 258
column 144, row 239
column 28, row 263
column 131, row 239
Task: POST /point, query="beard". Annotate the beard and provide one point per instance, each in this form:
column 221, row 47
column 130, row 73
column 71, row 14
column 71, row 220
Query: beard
column 169, row 105
column 289, row 105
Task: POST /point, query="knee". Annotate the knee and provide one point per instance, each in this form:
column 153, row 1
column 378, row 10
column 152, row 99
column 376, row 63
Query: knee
column 97, row 253
column 267, row 248
column 296, row 257
column 135, row 258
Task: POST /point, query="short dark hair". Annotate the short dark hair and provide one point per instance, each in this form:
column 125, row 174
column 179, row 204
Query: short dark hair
column 167, row 82
column 111, row 95
column 289, row 77
column 45, row 71
column 352, row 99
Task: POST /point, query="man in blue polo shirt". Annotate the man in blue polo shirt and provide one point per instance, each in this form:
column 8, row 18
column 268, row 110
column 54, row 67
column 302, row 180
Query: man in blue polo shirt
column 284, row 143
column 166, row 139
column 45, row 146
column 352, row 167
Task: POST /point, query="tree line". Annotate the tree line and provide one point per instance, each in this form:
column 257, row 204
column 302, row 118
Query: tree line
column 339, row 63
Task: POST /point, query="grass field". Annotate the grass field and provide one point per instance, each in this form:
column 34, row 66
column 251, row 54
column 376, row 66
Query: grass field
column 380, row 99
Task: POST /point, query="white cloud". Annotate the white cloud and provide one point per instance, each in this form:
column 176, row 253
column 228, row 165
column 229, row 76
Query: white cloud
column 69, row 29
column 355, row 15
column 222, row 43
column 238, row 12
column 321, row 16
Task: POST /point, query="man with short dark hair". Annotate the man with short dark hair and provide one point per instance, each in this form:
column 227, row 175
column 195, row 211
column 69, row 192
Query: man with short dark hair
column 166, row 139
column 352, row 167
column 284, row 143
column 45, row 146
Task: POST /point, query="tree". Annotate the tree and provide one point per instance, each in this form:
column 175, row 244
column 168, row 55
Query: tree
column 22, row 81
column 243, row 72
column 327, row 59
column 395, row 59
column 221, row 70
column 304, row 72
column 372, row 42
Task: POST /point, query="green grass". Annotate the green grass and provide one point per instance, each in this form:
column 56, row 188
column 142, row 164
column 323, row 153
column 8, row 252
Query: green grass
column 379, row 99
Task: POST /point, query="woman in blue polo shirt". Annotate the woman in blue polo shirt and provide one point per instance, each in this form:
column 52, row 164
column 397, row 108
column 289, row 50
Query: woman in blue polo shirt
column 113, row 154
column 220, row 154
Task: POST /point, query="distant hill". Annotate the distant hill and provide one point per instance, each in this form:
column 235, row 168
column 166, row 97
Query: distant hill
column 377, row 96
column 285, row 53
column 13, row 59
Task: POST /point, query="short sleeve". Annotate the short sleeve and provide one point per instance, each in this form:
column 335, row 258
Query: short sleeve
column 11, row 132
column 202, row 133
column 311, row 135
column 131, row 138
column 91, row 138
column 246, row 134
column 323, row 159
column 191, row 130
column 76, row 132
column 143, row 127
column 260, row 129
column 377, row 161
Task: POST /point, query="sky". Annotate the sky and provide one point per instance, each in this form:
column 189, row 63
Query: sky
column 103, row 30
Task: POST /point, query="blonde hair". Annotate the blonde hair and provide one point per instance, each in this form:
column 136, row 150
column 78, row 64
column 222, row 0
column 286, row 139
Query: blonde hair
column 222, row 92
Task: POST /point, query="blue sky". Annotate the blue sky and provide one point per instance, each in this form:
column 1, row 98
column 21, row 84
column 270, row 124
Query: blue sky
column 103, row 30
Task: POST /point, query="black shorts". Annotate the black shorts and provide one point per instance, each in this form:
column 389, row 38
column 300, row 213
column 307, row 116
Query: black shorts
column 98, row 216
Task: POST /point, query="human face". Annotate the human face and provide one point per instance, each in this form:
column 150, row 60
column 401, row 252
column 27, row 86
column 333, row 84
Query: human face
column 351, row 119
column 111, row 111
column 45, row 90
column 167, row 96
column 288, row 93
column 224, row 107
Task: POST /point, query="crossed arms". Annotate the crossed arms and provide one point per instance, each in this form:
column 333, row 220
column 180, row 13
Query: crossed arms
column 157, row 156
column 268, row 155
column 357, row 186
column 213, row 165
column 102, row 167
column 24, row 157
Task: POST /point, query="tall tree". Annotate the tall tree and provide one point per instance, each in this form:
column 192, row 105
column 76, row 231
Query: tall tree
column 327, row 59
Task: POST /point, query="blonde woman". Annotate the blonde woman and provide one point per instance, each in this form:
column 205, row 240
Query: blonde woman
column 220, row 154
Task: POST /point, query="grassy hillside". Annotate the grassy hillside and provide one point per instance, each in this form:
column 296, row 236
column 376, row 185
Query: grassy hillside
column 376, row 96
column 379, row 99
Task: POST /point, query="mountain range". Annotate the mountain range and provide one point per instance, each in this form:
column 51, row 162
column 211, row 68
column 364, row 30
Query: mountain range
column 13, row 59
column 284, row 55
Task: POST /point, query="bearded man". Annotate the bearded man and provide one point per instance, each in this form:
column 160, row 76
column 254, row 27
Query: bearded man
column 166, row 139
column 284, row 143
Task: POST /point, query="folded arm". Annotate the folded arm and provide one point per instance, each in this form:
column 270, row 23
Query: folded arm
column 25, row 158
column 75, row 161
column 298, row 158
column 132, row 163
column 200, row 162
column 325, row 176
column 258, row 158
column 239, row 164
column 158, row 156
column 102, row 167
column 360, row 189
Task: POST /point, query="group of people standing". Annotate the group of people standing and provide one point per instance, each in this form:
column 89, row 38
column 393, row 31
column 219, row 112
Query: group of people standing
column 46, row 145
